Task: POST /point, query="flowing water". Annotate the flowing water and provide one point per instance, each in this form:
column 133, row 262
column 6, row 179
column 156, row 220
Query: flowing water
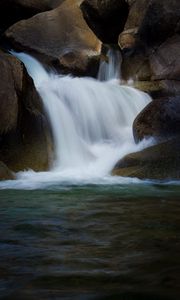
column 76, row 232
column 91, row 123
column 111, row 68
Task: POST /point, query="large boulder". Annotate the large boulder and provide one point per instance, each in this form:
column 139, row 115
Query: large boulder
column 25, row 139
column 150, row 43
column 137, row 11
column 150, row 23
column 106, row 18
column 12, row 11
column 160, row 161
column 59, row 38
column 159, row 119
column 165, row 61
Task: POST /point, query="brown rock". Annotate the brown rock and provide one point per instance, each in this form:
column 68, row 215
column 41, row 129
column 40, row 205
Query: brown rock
column 136, row 66
column 150, row 43
column 5, row 173
column 25, row 139
column 160, row 161
column 8, row 96
column 160, row 119
column 106, row 18
column 59, row 38
column 137, row 11
column 151, row 22
column 160, row 22
column 165, row 61
column 12, row 11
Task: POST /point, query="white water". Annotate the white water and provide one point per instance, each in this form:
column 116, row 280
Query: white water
column 91, row 123
column 110, row 69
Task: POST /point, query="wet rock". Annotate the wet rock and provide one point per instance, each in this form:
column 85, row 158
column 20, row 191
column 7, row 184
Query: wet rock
column 160, row 161
column 159, row 119
column 5, row 173
column 25, row 139
column 106, row 18
column 59, row 38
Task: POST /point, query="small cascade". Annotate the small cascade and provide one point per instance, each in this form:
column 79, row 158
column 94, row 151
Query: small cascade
column 110, row 69
column 91, row 120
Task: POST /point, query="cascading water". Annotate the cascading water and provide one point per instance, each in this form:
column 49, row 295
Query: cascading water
column 110, row 69
column 91, row 123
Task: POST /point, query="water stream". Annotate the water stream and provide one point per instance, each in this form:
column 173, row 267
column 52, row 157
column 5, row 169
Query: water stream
column 91, row 123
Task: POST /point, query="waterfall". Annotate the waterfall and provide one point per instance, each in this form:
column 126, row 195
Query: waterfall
column 91, row 120
column 110, row 69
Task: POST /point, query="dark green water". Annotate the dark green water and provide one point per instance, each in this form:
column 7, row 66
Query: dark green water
column 106, row 242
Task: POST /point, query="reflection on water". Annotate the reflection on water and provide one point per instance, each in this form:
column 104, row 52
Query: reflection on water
column 116, row 242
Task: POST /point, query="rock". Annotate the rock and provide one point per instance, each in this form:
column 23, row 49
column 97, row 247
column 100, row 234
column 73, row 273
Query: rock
column 157, row 21
column 8, row 96
column 137, row 11
column 5, row 173
column 12, row 11
column 150, row 43
column 59, row 38
column 164, row 61
column 160, row 161
column 160, row 22
column 136, row 66
column 159, row 119
column 25, row 140
column 159, row 88
column 106, row 18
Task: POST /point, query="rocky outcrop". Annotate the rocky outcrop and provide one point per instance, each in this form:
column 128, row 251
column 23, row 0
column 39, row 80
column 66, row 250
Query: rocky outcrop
column 160, row 119
column 59, row 38
column 106, row 18
column 160, row 161
column 25, row 139
column 150, row 43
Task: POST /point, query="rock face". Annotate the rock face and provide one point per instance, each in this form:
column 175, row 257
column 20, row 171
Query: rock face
column 150, row 43
column 161, row 161
column 160, row 119
column 24, row 135
column 106, row 18
column 59, row 38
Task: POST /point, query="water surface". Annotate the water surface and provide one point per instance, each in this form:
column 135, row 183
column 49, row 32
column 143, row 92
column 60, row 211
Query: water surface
column 90, row 242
